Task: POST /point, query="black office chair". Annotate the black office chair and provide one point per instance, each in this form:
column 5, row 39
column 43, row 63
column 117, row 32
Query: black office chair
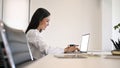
column 17, row 47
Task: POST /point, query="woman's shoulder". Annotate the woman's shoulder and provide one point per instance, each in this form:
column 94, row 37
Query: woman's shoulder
column 32, row 32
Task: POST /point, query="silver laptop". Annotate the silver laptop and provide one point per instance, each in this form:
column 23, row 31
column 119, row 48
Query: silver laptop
column 83, row 49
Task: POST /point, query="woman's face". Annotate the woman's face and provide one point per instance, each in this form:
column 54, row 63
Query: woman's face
column 44, row 23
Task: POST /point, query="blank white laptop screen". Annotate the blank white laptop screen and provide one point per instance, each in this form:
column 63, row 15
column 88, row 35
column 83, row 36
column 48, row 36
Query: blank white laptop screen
column 84, row 43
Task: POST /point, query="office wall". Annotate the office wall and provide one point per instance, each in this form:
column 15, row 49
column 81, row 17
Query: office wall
column 16, row 13
column 70, row 19
column 106, row 6
column 0, row 9
column 110, row 17
column 115, row 18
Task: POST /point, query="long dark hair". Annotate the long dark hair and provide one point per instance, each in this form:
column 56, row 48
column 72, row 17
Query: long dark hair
column 38, row 16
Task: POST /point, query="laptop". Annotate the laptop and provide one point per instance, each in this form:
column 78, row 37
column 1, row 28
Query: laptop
column 84, row 43
column 83, row 49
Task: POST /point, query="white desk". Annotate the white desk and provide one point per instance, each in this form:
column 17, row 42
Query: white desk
column 50, row 61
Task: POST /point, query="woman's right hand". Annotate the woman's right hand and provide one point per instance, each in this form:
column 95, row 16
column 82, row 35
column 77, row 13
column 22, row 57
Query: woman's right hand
column 70, row 49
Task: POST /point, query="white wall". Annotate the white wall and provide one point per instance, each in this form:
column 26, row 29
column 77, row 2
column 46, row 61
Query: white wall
column 0, row 9
column 16, row 13
column 70, row 19
column 106, row 6
column 110, row 17
column 115, row 18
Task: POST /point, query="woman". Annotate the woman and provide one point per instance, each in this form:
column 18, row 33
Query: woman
column 40, row 20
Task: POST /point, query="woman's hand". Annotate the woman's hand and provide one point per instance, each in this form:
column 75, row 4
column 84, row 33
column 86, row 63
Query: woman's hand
column 70, row 49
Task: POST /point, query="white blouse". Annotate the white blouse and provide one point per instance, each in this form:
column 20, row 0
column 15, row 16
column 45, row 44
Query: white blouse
column 38, row 46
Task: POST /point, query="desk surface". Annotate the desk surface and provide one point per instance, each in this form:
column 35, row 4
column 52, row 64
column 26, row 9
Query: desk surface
column 50, row 61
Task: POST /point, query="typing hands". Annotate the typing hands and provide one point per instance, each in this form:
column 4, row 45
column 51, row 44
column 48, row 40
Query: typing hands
column 71, row 48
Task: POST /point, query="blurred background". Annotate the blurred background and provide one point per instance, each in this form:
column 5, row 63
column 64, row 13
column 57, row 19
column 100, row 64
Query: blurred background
column 68, row 21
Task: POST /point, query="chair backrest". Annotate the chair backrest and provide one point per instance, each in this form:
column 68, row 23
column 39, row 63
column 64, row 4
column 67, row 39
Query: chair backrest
column 18, row 46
